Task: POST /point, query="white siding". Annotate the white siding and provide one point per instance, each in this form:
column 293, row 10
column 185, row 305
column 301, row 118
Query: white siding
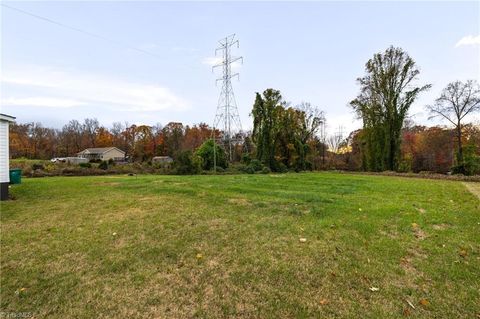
column 4, row 156
column 113, row 153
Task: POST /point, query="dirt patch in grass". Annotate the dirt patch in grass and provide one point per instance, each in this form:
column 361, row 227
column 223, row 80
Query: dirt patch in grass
column 240, row 201
column 412, row 273
column 419, row 233
column 473, row 188
column 106, row 183
column 440, row 226
column 420, row 210
column 148, row 198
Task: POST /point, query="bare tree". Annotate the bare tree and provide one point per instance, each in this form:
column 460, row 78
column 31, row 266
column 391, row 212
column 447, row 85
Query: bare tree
column 322, row 136
column 336, row 140
column 313, row 119
column 457, row 100
column 157, row 133
column 90, row 129
column 72, row 133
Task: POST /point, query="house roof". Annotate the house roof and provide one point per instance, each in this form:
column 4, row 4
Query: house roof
column 99, row 150
column 5, row 117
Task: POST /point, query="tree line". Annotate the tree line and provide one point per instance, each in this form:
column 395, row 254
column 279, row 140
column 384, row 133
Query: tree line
column 293, row 137
column 140, row 142
column 387, row 91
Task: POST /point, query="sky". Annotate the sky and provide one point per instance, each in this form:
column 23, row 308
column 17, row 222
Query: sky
column 151, row 62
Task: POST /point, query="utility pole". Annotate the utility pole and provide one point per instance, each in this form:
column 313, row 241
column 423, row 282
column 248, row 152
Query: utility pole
column 227, row 117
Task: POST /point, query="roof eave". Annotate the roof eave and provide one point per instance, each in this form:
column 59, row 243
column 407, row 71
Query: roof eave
column 6, row 117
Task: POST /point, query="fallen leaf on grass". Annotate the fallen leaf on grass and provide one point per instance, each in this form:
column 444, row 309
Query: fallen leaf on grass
column 424, row 302
column 463, row 253
column 199, row 256
column 114, row 234
column 414, row 225
column 406, row 312
column 303, row 240
column 374, row 289
column 323, row 301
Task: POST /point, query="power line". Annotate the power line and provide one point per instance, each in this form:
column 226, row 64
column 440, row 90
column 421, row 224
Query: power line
column 227, row 111
column 80, row 30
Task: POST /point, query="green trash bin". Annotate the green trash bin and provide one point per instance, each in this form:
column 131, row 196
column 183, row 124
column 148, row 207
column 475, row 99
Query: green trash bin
column 15, row 176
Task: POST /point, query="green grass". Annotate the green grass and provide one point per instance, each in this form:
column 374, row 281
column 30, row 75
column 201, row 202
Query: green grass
column 228, row 246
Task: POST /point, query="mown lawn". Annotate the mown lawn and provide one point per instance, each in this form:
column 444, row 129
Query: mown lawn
column 229, row 246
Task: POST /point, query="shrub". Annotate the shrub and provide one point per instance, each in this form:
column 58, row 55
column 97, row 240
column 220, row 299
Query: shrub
column 266, row 170
column 256, row 165
column 37, row 166
column 111, row 162
column 236, row 168
column 220, row 169
column 308, row 165
column 49, row 167
column 405, row 166
column 282, row 168
column 471, row 162
column 249, row 170
column 103, row 165
column 246, row 159
column 27, row 171
column 85, row 165
column 188, row 163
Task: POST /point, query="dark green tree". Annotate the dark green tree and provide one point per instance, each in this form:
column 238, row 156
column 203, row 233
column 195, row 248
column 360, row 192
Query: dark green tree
column 266, row 125
column 387, row 92
column 290, row 149
column 187, row 163
column 205, row 151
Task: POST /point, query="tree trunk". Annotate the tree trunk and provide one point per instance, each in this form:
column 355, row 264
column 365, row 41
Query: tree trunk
column 459, row 141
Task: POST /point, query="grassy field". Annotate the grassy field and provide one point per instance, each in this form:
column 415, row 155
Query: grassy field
column 321, row 245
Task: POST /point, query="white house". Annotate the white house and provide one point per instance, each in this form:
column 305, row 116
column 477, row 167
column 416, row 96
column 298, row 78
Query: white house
column 4, row 155
column 103, row 153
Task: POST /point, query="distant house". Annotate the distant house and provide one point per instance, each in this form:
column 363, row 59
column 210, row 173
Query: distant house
column 103, row 153
column 162, row 160
column 4, row 157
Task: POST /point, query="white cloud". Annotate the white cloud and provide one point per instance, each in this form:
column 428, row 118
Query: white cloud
column 42, row 102
column 468, row 40
column 74, row 88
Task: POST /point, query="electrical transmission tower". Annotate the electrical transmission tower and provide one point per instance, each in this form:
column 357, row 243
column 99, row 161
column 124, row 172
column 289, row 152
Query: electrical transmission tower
column 226, row 117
